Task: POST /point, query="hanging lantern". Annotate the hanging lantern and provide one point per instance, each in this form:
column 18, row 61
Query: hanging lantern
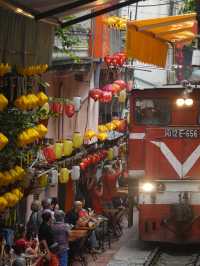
column 43, row 180
column 106, row 97
column 123, row 126
column 115, row 60
column 116, row 122
column 102, row 128
column 108, row 59
column 95, row 94
column 49, row 154
column 111, row 126
column 121, row 83
column 110, row 155
column 102, row 136
column 116, row 88
column 75, row 173
column 11, row 199
column 77, row 140
column 77, row 103
column 108, row 87
column 58, row 148
column 57, row 107
column 3, row 203
column 53, row 177
column 67, row 147
column 64, row 175
column 122, row 96
column 89, row 134
column 69, row 110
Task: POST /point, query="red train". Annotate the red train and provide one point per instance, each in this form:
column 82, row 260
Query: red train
column 164, row 161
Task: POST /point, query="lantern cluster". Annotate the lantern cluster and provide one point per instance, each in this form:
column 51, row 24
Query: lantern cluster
column 65, row 106
column 105, row 94
column 93, row 159
column 115, row 60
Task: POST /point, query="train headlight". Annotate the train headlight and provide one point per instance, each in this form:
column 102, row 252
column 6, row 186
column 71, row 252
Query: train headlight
column 148, row 187
column 188, row 102
column 180, row 102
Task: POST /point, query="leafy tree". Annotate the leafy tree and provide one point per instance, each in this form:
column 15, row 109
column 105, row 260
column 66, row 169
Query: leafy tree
column 188, row 6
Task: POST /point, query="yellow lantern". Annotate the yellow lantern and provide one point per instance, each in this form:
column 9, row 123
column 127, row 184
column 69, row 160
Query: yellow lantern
column 111, row 126
column 18, row 193
column 3, row 203
column 110, row 154
column 122, row 96
column 43, row 180
column 58, row 148
column 77, row 140
column 116, row 122
column 10, row 198
column 64, row 175
column 102, row 128
column 89, row 134
column 67, row 147
column 102, row 136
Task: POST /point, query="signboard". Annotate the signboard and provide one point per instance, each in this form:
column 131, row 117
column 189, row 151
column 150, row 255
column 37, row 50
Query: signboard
column 182, row 133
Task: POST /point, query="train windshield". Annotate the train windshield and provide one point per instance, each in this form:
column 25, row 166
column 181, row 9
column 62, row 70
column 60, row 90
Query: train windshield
column 152, row 111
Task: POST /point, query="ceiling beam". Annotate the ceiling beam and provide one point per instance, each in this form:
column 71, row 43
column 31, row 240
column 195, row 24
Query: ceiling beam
column 98, row 13
column 63, row 8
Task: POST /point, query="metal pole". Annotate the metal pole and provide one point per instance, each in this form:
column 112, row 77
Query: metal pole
column 98, row 13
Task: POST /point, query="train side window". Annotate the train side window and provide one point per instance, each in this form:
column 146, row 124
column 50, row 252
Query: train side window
column 152, row 111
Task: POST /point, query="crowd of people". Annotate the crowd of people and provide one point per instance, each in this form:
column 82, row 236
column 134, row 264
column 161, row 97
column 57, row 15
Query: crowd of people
column 45, row 238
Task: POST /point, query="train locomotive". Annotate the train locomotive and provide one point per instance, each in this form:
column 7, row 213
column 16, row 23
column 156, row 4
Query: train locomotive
column 164, row 162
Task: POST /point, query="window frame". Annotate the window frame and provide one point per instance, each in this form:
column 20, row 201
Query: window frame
column 153, row 98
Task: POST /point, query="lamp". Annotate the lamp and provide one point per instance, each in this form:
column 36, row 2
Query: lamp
column 77, row 103
column 196, row 57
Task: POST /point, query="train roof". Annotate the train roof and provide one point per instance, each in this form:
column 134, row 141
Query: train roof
column 170, row 87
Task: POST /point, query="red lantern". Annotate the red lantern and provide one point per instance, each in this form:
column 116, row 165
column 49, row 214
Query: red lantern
column 116, row 88
column 57, row 108
column 95, row 94
column 108, row 59
column 121, row 83
column 115, row 60
column 106, row 97
column 108, row 87
column 122, row 126
column 82, row 166
column 69, row 110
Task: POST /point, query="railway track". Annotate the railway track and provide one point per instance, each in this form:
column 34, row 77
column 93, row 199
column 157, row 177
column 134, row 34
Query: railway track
column 165, row 257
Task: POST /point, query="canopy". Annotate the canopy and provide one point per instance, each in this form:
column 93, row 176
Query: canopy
column 148, row 40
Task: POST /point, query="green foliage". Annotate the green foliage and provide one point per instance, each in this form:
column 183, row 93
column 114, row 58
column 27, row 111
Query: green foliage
column 69, row 38
column 188, row 6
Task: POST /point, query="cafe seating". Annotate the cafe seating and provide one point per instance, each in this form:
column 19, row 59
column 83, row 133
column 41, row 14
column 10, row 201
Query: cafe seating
column 77, row 243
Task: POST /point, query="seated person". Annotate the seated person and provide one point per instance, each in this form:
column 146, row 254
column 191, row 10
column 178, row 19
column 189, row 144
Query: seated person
column 82, row 220
column 150, row 116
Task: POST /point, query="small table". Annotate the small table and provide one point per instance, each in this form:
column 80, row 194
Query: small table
column 77, row 240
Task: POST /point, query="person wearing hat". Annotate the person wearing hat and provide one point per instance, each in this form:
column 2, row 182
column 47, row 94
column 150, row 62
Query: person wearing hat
column 19, row 249
column 61, row 232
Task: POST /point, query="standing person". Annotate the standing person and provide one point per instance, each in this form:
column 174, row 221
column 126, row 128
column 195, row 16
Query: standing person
column 96, row 193
column 46, row 236
column 8, row 226
column 34, row 220
column 54, row 204
column 46, row 207
column 61, row 232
